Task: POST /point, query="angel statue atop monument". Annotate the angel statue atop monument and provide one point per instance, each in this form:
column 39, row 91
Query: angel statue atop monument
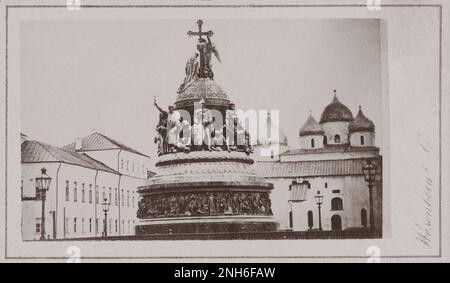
column 199, row 64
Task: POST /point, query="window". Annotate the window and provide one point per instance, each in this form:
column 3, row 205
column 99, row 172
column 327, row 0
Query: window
column 123, row 226
column 121, row 196
column 121, row 163
column 115, row 197
column 83, row 193
column 103, row 193
column 96, row 225
column 128, row 226
column 115, row 221
column 82, row 225
column 38, row 225
column 90, row 193
column 337, row 139
column 75, row 193
column 364, row 217
column 325, row 140
column 132, row 200
column 361, row 138
column 75, row 225
column 128, row 163
column 312, row 143
column 143, row 169
column 110, row 195
column 326, row 185
column 96, row 194
column 128, row 198
column 310, row 219
column 67, row 190
column 132, row 166
column 110, row 225
column 90, row 225
column 336, row 204
column 335, row 191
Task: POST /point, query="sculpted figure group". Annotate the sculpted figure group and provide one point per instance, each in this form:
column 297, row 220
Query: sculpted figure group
column 204, row 204
column 174, row 134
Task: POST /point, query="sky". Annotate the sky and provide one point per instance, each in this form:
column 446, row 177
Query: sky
column 102, row 75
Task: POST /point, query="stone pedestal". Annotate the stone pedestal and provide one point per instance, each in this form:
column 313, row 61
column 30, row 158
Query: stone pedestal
column 205, row 192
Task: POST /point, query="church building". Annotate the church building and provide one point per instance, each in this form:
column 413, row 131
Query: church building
column 326, row 168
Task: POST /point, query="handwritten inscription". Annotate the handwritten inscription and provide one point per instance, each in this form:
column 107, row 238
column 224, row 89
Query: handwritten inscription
column 423, row 230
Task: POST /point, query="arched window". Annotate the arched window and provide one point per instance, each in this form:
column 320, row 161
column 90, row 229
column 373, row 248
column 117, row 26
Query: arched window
column 326, row 185
column 364, row 217
column 312, row 143
column 324, row 140
column 336, row 204
column 337, row 139
column 361, row 138
column 310, row 219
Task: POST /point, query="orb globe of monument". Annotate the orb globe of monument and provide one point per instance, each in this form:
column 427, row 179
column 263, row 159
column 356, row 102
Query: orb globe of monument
column 206, row 89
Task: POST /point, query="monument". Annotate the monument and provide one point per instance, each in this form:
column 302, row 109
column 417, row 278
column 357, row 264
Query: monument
column 205, row 181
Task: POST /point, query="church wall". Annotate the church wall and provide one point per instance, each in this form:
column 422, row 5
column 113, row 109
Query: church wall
column 369, row 139
column 336, row 128
column 305, row 141
column 353, row 191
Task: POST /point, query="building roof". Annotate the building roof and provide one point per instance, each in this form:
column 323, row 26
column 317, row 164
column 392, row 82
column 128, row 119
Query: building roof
column 330, row 148
column 336, row 111
column 35, row 151
column 317, row 168
column 361, row 123
column 311, row 127
column 97, row 141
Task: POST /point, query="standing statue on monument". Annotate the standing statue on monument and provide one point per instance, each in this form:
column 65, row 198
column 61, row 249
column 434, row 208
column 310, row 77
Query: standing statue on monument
column 204, row 116
column 205, row 48
column 172, row 126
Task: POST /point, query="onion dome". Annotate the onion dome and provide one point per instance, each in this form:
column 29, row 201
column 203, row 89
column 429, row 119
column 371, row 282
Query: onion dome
column 361, row 123
column 336, row 112
column 311, row 127
column 202, row 88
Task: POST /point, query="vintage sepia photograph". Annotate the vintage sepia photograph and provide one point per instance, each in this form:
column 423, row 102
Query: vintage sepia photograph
column 255, row 130
column 211, row 175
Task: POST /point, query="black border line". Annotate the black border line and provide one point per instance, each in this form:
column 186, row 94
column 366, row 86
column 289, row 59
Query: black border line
column 228, row 6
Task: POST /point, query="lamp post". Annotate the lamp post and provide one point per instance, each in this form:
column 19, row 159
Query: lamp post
column 105, row 207
column 319, row 199
column 370, row 173
column 43, row 184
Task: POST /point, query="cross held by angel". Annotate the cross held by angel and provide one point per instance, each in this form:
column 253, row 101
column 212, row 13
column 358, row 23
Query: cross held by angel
column 199, row 65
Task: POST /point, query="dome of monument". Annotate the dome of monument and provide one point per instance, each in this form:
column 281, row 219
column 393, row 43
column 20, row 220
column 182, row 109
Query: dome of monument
column 203, row 88
column 311, row 127
column 336, row 112
column 361, row 123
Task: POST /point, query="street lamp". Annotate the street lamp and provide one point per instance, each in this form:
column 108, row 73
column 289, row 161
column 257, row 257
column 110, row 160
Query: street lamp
column 42, row 185
column 105, row 207
column 370, row 173
column 319, row 199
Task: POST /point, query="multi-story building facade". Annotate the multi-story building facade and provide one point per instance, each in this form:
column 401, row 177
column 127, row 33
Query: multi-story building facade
column 84, row 174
